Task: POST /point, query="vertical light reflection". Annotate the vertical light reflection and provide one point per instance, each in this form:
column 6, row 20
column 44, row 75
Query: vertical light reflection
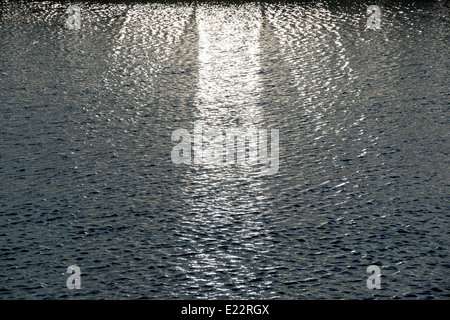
column 223, row 230
column 148, row 35
column 229, row 65
column 144, row 42
column 312, row 42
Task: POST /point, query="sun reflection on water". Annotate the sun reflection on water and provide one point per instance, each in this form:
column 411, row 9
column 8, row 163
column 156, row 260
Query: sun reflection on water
column 225, row 226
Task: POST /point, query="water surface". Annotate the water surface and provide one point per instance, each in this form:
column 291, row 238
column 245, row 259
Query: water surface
column 85, row 150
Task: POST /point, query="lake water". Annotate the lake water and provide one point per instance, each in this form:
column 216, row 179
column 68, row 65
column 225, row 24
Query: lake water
column 87, row 177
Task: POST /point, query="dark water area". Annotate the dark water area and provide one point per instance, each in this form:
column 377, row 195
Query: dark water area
column 87, row 179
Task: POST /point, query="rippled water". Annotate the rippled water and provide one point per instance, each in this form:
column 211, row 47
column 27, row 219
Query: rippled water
column 85, row 150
